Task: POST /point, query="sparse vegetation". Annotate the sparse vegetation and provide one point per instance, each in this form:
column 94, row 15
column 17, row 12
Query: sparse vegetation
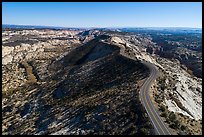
column 162, row 108
column 164, row 114
column 99, row 95
column 183, row 127
column 29, row 71
column 172, row 116
column 89, row 89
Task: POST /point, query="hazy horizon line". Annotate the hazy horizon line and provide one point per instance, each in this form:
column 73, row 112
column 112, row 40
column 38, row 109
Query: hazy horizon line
column 103, row 27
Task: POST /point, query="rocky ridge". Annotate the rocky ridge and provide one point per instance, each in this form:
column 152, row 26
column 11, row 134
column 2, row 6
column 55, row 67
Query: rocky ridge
column 92, row 85
column 80, row 62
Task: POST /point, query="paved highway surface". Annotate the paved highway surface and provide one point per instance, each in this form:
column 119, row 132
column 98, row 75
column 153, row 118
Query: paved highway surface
column 160, row 127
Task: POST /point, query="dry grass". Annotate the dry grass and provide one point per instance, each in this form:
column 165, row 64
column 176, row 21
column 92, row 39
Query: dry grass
column 29, row 71
column 190, row 72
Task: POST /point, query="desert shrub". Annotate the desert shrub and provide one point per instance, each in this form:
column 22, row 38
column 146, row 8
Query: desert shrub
column 181, row 114
column 167, row 120
column 162, row 108
column 172, row 125
column 158, row 100
column 183, row 127
column 177, row 124
column 143, row 131
column 172, row 116
column 163, row 86
column 164, row 114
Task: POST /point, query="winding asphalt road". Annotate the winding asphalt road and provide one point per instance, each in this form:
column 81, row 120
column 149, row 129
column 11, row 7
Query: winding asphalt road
column 159, row 126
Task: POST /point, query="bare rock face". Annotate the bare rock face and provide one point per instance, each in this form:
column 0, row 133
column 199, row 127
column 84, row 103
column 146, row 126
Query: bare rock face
column 18, row 48
column 6, row 50
column 117, row 40
column 29, row 55
column 185, row 88
column 25, row 46
column 20, row 52
column 34, row 48
column 7, row 59
column 19, row 56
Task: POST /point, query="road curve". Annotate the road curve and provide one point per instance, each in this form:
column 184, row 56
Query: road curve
column 159, row 126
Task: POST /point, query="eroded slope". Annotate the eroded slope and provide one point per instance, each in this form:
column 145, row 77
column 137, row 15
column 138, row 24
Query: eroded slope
column 91, row 90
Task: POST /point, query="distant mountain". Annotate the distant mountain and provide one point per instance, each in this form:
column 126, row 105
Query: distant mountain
column 163, row 29
column 34, row 27
column 24, row 26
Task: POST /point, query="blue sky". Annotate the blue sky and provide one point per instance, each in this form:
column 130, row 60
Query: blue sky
column 103, row 14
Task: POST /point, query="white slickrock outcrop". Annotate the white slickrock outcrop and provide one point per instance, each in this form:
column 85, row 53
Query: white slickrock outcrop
column 187, row 88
